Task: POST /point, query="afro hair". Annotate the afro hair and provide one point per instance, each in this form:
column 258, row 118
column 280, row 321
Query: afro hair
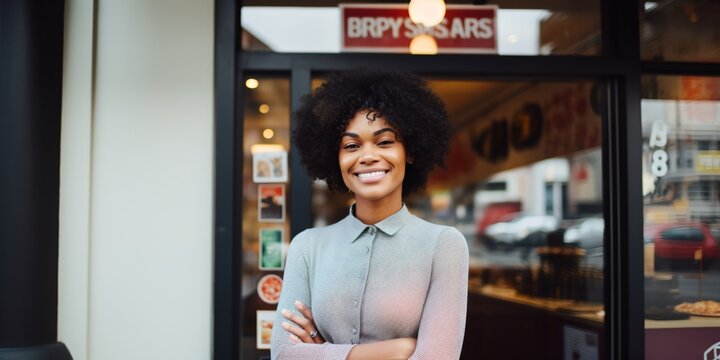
column 404, row 100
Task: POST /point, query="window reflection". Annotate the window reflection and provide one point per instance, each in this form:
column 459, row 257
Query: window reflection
column 524, row 27
column 681, row 192
column 680, row 30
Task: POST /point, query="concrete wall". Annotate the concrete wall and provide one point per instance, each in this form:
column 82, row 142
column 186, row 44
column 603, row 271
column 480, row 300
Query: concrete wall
column 135, row 262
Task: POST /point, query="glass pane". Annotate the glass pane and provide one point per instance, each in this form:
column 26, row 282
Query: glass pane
column 266, row 218
column 681, row 192
column 680, row 30
column 524, row 27
column 524, row 185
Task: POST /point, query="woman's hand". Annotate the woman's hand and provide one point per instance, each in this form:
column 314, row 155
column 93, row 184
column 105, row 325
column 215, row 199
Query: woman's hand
column 303, row 329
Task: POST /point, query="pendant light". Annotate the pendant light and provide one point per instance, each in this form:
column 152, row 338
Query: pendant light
column 427, row 12
column 423, row 45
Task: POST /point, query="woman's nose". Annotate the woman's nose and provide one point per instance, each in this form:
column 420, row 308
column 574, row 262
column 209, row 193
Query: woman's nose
column 369, row 156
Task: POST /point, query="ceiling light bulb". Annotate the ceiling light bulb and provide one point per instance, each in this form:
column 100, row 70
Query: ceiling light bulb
column 423, row 45
column 252, row 83
column 268, row 134
column 264, row 108
column 427, row 12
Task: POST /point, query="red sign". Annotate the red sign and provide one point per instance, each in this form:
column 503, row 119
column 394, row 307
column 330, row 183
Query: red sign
column 388, row 28
column 700, row 88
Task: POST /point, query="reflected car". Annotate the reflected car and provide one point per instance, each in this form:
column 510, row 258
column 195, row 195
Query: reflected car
column 515, row 227
column 495, row 212
column 586, row 233
column 682, row 241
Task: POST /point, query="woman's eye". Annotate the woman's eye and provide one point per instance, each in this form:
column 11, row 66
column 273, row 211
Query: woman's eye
column 386, row 142
column 350, row 146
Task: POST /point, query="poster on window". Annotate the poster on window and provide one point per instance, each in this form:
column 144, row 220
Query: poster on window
column 271, row 203
column 271, row 244
column 270, row 167
column 269, row 288
column 265, row 320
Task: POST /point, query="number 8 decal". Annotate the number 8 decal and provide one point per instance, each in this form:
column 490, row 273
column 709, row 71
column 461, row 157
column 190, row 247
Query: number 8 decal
column 658, row 138
column 659, row 163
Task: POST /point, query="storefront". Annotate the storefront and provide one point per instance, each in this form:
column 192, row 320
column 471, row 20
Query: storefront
column 583, row 172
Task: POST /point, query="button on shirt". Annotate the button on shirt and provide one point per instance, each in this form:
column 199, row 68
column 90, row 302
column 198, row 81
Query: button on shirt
column 402, row 277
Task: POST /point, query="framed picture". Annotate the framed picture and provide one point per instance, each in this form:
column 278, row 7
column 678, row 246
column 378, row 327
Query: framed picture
column 271, row 248
column 269, row 288
column 270, row 167
column 265, row 320
column 271, row 203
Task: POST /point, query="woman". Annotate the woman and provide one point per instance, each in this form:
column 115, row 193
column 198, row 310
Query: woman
column 381, row 283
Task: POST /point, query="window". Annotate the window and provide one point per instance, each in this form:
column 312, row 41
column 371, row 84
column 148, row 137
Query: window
column 680, row 115
column 681, row 30
column 683, row 234
column 699, row 190
column 266, row 216
column 524, row 27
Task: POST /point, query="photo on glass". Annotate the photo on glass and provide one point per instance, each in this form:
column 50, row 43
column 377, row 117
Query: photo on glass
column 271, row 245
column 270, row 167
column 271, row 203
column 265, row 320
column 269, row 288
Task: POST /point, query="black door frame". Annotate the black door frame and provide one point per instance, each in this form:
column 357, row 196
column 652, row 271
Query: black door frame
column 619, row 66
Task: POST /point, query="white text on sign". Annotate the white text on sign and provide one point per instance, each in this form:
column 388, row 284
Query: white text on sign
column 460, row 28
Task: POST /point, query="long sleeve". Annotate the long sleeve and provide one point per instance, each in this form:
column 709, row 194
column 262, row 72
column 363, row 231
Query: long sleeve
column 442, row 326
column 296, row 286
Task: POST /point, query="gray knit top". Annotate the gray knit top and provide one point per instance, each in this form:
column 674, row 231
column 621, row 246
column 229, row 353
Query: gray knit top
column 402, row 277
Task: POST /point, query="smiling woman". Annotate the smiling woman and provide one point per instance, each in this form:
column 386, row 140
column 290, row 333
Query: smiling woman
column 372, row 163
column 356, row 292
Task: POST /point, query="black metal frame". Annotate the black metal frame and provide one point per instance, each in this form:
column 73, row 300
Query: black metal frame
column 622, row 174
column 619, row 65
column 228, row 143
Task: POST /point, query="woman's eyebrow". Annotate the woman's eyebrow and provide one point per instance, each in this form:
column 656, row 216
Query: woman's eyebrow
column 384, row 130
column 350, row 134
column 376, row 133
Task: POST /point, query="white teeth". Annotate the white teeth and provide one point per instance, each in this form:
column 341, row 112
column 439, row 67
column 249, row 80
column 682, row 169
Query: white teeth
column 371, row 174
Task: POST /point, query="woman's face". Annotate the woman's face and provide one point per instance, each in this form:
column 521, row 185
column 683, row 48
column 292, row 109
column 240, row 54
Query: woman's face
column 372, row 158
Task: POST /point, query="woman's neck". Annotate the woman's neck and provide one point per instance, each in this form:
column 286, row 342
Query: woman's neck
column 371, row 212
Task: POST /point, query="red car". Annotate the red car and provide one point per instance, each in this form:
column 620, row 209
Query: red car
column 495, row 212
column 681, row 241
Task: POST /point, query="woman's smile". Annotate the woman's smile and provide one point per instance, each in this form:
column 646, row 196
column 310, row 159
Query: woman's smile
column 371, row 176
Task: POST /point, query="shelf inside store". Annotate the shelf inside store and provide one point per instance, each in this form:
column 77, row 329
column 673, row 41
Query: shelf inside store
column 692, row 322
column 563, row 308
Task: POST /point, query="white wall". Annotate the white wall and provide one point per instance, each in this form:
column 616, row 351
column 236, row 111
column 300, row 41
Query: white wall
column 135, row 263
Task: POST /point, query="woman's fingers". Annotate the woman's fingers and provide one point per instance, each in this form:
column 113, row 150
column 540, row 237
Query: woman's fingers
column 300, row 333
column 305, row 324
column 299, row 320
column 305, row 311
column 302, row 330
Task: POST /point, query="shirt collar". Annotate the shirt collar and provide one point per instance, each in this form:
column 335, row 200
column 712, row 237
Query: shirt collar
column 390, row 225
